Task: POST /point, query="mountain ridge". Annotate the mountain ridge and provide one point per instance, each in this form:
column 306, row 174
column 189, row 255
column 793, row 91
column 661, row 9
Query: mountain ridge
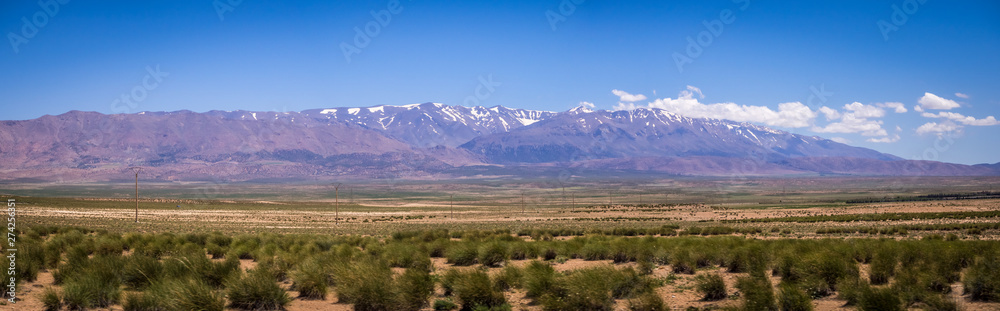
column 428, row 140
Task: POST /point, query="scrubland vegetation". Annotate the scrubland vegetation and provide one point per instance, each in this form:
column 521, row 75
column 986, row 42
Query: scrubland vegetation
column 164, row 271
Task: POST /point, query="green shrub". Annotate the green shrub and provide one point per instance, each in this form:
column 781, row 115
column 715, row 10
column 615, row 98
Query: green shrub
column 474, row 290
column 241, row 252
column 712, row 286
column 462, row 254
column 444, row 305
column 256, row 290
column 549, row 254
column 94, row 285
column 648, row 301
column 982, row 280
column 595, row 251
column 910, row 285
column 939, row 303
column 311, row 280
column 626, row 282
column 815, row 287
column 850, row 290
column 522, row 251
column 624, row 250
column 215, row 250
column 218, row 239
column 757, row 294
column 758, row 259
column 437, row 248
column 51, row 299
column 141, row 271
column 790, row 268
column 831, row 267
column 508, row 277
column 76, row 297
column 413, row 288
column 883, row 266
column 196, row 295
column 737, row 262
column 448, row 281
column 53, row 252
column 582, row 289
column 109, row 246
column 140, row 301
column 405, row 255
column 683, row 263
column 879, row 299
column 367, row 284
column 539, row 278
column 492, row 254
column 198, row 266
column 646, row 266
column 791, row 298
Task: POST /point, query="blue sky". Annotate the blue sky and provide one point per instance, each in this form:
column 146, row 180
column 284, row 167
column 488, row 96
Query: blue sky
column 762, row 65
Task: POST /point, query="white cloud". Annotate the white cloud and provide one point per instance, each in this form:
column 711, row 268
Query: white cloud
column 626, row 97
column 695, row 90
column 793, row 114
column 917, row 108
column 865, row 111
column 899, row 107
column 626, row 106
column 886, row 139
column 588, row 105
column 850, row 123
column 931, row 101
column 831, row 114
column 988, row 121
column 841, row 140
column 962, row 95
column 934, row 127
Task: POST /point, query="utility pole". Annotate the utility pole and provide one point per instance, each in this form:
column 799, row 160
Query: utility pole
column 522, row 202
column 611, row 199
column 453, row 206
column 136, row 170
column 336, row 190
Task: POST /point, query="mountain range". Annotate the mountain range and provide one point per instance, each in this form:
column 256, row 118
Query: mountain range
column 428, row 140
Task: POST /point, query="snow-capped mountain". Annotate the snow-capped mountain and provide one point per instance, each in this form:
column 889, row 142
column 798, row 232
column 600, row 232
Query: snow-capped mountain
column 583, row 134
column 422, row 140
column 433, row 124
